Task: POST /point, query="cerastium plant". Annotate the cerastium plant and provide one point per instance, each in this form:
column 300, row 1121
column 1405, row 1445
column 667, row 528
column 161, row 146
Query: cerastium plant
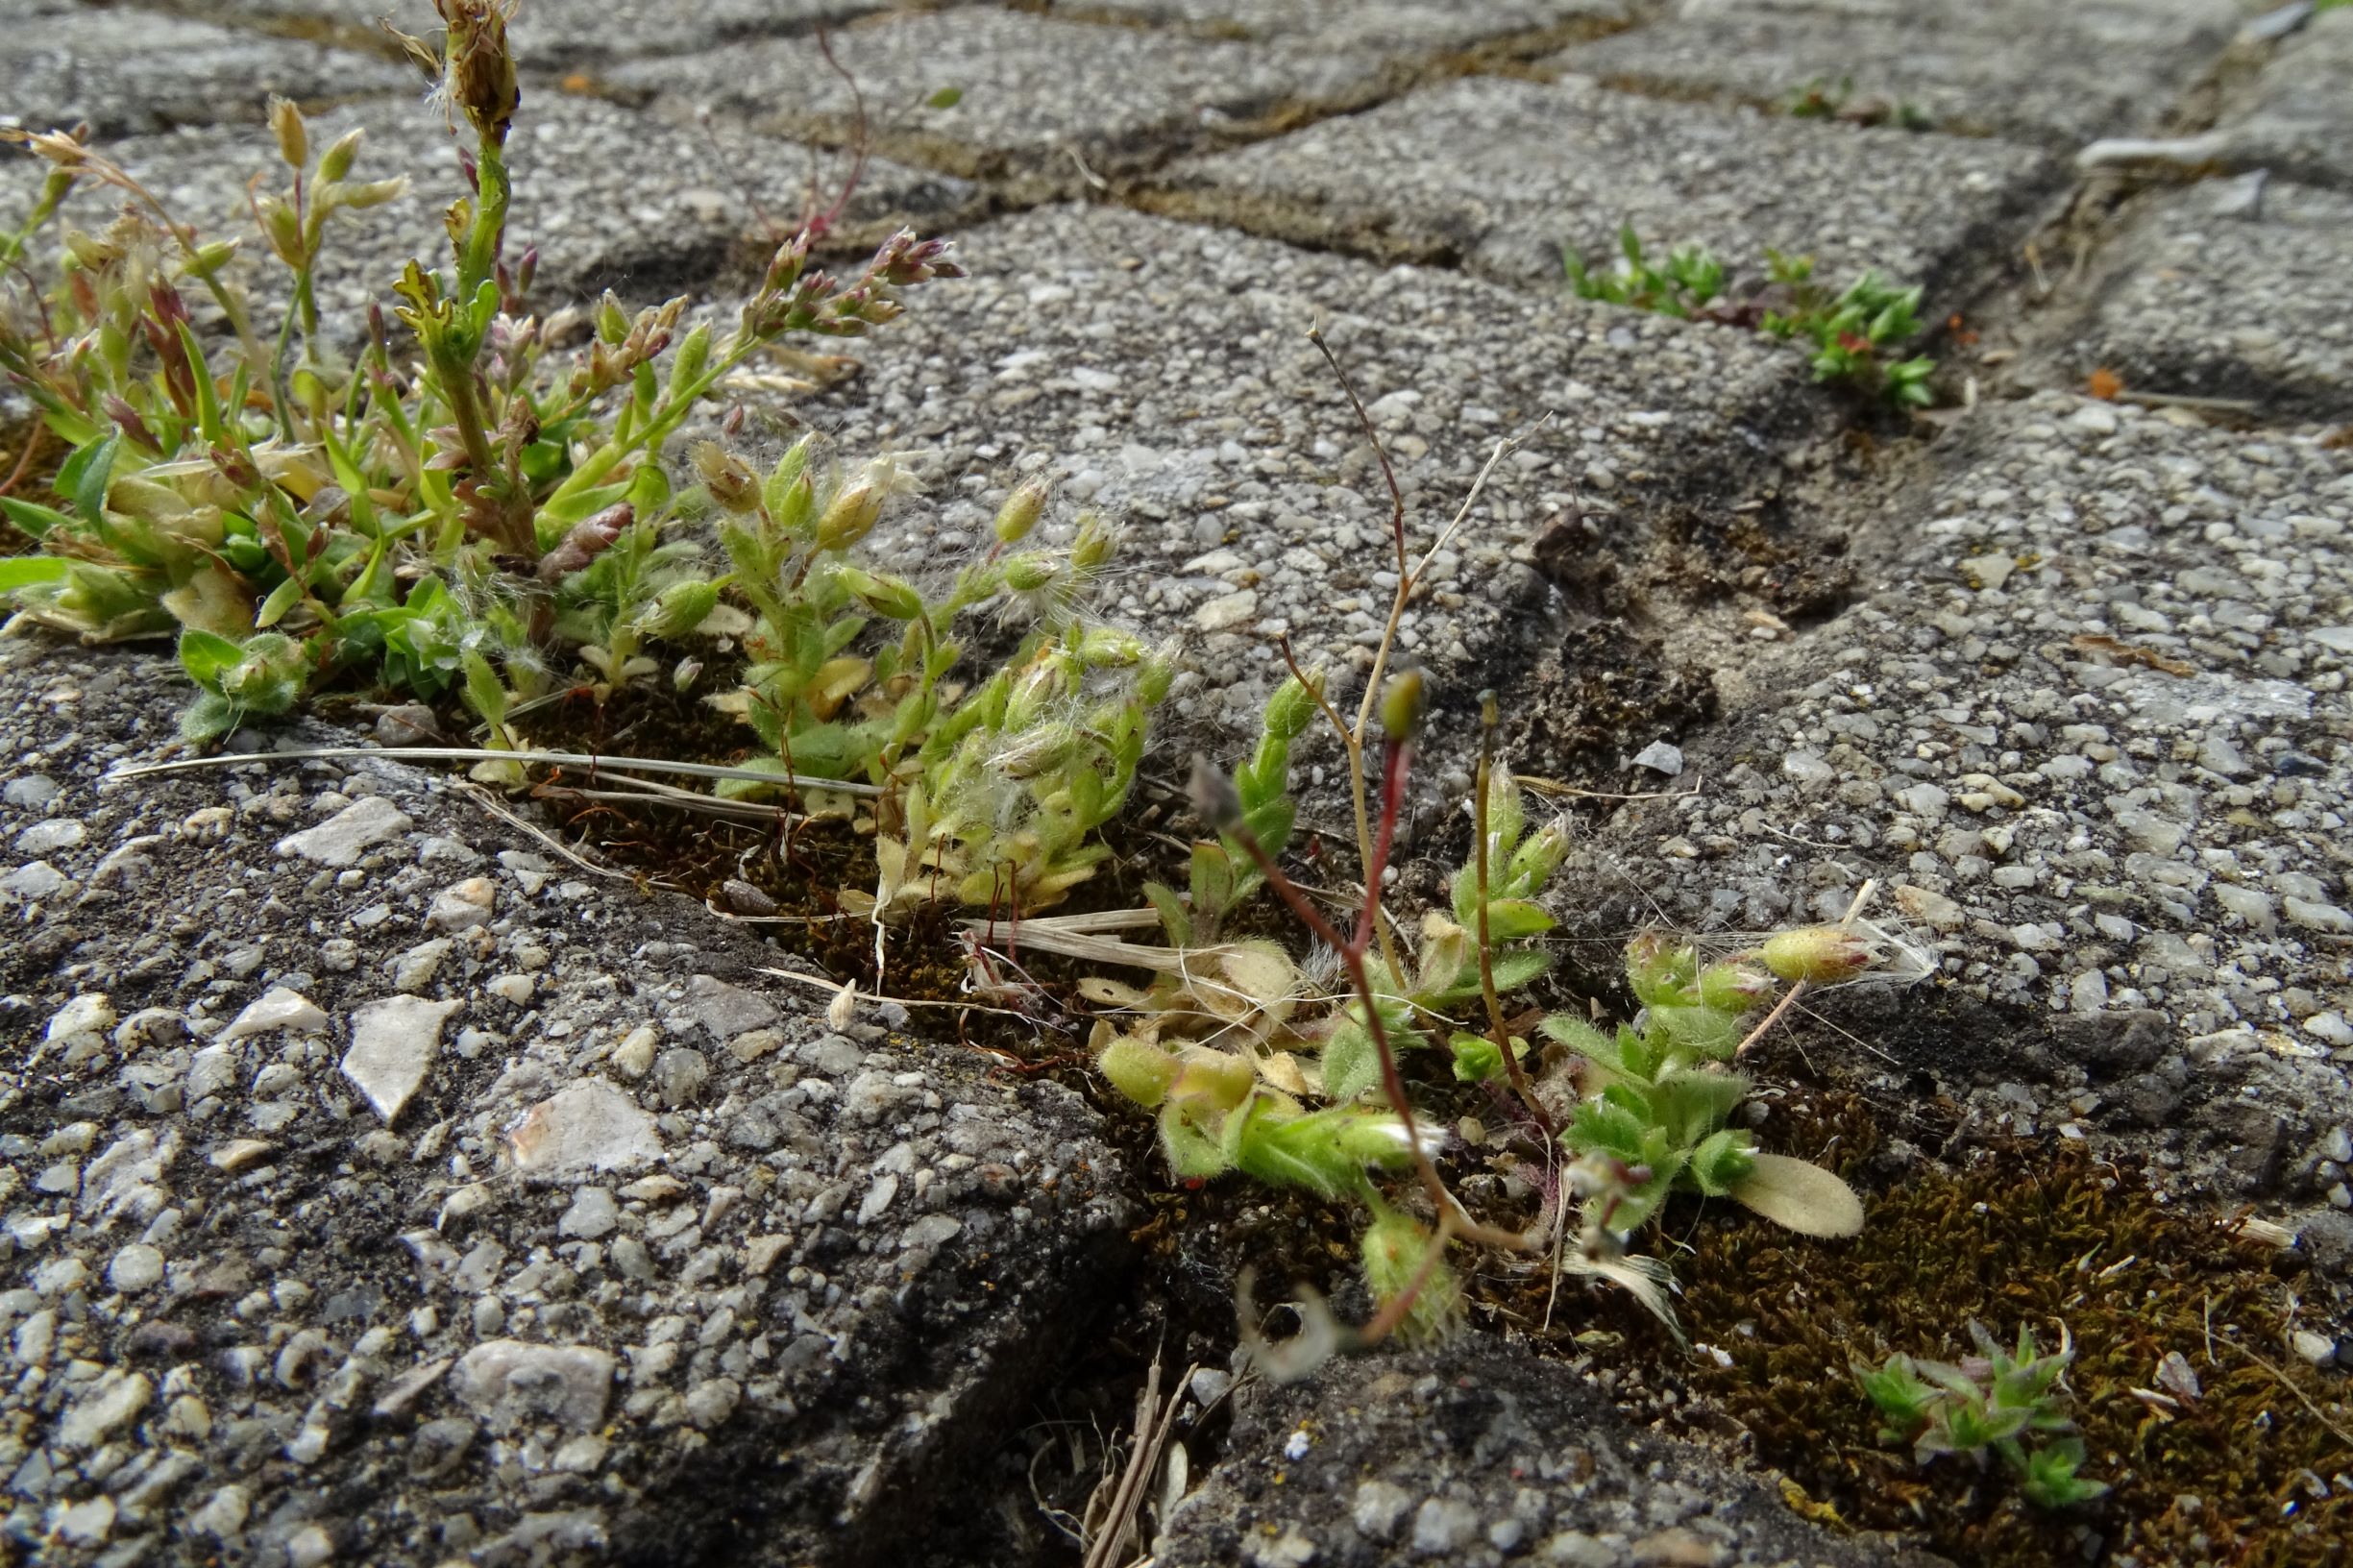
column 2004, row 1403
column 1256, row 1061
column 1853, row 335
column 460, row 508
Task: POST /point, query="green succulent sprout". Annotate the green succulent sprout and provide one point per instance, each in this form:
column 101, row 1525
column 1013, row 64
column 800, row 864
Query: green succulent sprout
column 1994, row 1404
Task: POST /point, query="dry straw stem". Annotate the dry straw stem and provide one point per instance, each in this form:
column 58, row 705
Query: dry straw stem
column 469, row 753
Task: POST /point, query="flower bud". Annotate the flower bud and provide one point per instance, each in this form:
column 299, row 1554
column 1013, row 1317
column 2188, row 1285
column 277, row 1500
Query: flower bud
column 888, row 597
column 1213, row 1079
column 209, row 258
column 282, row 228
column 680, row 608
column 1658, row 969
column 1822, row 954
column 612, row 327
column 1021, row 512
column 1734, row 988
column 1096, row 540
column 850, row 517
column 337, row 161
column 1138, row 1070
column 693, row 356
column 1292, row 707
column 731, row 480
column 369, row 194
column 1029, row 572
column 1402, row 706
column 286, row 125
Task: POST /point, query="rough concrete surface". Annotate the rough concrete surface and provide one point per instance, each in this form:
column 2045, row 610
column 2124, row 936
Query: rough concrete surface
column 1047, row 107
column 2232, row 290
column 2034, row 73
column 1501, row 174
column 2297, row 118
column 1163, row 372
column 607, row 198
column 2087, row 735
column 377, row 1185
column 381, row 1188
column 127, row 71
column 1470, row 1455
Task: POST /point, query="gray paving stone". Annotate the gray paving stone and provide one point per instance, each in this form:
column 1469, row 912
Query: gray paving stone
column 1479, row 1453
column 2299, row 119
column 1163, row 372
column 2089, row 733
column 611, row 197
column 1048, row 107
column 459, row 1340
column 2039, row 73
column 552, row 34
column 1395, row 26
column 129, row 71
column 2216, row 300
column 1503, row 173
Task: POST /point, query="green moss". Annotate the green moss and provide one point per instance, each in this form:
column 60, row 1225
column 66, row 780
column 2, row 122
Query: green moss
column 2027, row 1234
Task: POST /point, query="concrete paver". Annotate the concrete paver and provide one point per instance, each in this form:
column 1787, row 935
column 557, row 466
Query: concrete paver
column 1502, row 174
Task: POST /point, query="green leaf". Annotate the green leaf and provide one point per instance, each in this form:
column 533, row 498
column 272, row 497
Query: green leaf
column 1800, row 1197
column 944, row 98
column 207, row 657
column 32, row 519
column 208, row 421
column 25, row 571
column 85, row 478
column 1352, row 1063
column 1513, row 970
column 1513, row 920
column 208, row 717
column 1176, row 924
column 282, row 597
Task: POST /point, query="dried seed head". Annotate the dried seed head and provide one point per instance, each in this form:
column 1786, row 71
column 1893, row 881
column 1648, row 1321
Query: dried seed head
column 732, row 483
column 286, row 125
column 479, row 67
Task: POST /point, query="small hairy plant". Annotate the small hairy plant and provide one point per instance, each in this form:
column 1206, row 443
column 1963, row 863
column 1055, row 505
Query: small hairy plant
column 1293, row 1070
column 458, row 506
column 1997, row 1403
column 1853, row 335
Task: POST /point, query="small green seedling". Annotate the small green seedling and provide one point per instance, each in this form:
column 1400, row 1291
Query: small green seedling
column 1995, row 1403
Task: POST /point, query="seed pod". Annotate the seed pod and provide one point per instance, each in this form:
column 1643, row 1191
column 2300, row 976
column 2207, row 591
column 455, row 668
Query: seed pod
column 729, row 479
column 1402, row 706
column 286, row 125
column 1822, row 954
column 850, row 516
column 337, row 161
column 1021, row 512
column 888, row 597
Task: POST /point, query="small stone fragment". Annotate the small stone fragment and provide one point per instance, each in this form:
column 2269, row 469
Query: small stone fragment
column 592, row 1216
column 278, row 1008
column 394, row 1041
column 112, row 1404
column 88, row 1013
column 135, row 1269
column 725, row 1010
column 463, row 905
column 1660, row 758
column 588, row 1126
column 343, row 838
column 509, row 1384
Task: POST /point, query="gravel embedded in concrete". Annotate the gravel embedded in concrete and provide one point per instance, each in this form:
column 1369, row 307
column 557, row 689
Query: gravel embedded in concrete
column 1503, row 173
column 2233, row 289
column 1471, row 1455
column 247, row 1313
column 2088, row 736
column 1387, row 25
column 2297, row 118
column 1161, row 371
column 125, row 72
column 2033, row 72
column 608, row 198
column 553, row 33
column 1046, row 107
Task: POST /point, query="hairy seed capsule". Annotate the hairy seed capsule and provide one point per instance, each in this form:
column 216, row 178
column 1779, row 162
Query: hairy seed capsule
column 1822, row 954
column 850, row 518
column 1021, row 512
column 286, row 125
